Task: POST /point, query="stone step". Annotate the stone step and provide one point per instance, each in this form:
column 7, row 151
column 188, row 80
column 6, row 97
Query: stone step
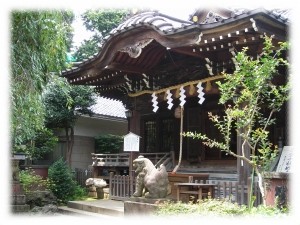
column 104, row 207
column 65, row 210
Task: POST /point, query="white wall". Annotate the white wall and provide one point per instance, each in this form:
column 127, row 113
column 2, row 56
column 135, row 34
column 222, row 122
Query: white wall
column 82, row 149
column 91, row 127
column 86, row 129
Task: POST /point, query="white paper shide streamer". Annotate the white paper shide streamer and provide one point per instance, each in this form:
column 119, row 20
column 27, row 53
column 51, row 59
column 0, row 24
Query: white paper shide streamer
column 182, row 96
column 200, row 93
column 169, row 98
column 155, row 103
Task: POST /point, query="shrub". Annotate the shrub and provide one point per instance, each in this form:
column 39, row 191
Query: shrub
column 108, row 143
column 64, row 187
column 33, row 182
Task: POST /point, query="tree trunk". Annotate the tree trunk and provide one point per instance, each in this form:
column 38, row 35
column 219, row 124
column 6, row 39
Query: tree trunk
column 70, row 143
column 261, row 184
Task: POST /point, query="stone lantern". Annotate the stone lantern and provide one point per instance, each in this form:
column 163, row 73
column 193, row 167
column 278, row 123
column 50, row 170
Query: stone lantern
column 18, row 198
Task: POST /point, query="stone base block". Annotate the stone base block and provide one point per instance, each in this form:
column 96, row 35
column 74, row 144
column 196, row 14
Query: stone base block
column 18, row 200
column 92, row 194
column 17, row 188
column 20, row 208
column 138, row 208
column 141, row 206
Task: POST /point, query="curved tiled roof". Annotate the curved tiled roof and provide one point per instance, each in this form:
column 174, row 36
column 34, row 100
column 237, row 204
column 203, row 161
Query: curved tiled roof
column 169, row 33
column 169, row 25
column 160, row 21
column 109, row 107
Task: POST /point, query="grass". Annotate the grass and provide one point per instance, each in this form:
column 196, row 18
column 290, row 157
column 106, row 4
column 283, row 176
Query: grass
column 217, row 207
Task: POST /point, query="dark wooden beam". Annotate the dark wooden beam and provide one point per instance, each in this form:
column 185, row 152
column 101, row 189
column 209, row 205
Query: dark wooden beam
column 125, row 68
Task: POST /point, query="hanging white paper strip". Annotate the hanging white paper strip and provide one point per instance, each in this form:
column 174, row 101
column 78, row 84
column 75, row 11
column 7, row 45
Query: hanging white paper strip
column 169, row 98
column 200, row 93
column 154, row 101
column 182, row 96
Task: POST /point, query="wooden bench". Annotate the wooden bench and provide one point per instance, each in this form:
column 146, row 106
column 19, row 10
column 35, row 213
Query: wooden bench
column 184, row 178
column 199, row 189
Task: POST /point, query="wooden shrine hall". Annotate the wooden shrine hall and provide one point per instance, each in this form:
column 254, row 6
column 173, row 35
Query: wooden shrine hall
column 155, row 63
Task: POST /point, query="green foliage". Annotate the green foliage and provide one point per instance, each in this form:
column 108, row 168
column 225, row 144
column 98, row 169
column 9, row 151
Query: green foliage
column 33, row 182
column 101, row 22
column 43, row 142
column 216, row 207
column 39, row 41
column 257, row 99
column 64, row 187
column 80, row 193
column 108, row 143
column 87, row 49
column 65, row 103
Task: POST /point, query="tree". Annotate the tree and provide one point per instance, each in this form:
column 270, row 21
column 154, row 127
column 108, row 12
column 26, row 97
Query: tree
column 62, row 183
column 108, row 143
column 39, row 41
column 64, row 106
column 43, row 142
column 101, row 22
column 258, row 99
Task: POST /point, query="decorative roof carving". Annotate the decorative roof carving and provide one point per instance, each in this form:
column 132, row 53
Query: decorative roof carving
column 135, row 50
column 212, row 18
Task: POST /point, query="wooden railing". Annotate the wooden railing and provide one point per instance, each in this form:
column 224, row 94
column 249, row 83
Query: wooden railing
column 122, row 159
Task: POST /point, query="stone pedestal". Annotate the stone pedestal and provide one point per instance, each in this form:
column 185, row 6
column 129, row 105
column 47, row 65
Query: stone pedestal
column 92, row 191
column 141, row 206
column 277, row 187
column 100, row 193
column 18, row 199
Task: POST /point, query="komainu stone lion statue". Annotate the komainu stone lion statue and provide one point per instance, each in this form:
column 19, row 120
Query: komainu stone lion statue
column 153, row 181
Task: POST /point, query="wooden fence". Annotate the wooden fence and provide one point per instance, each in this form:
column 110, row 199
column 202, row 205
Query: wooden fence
column 81, row 175
column 121, row 188
column 235, row 192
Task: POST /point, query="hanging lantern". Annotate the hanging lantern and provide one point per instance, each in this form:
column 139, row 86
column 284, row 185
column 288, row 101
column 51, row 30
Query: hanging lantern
column 177, row 112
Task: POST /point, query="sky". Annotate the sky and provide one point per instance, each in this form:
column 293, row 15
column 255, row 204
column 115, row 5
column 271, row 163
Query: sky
column 80, row 33
column 175, row 8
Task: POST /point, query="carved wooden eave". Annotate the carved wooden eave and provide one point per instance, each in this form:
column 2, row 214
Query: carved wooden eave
column 149, row 47
column 136, row 50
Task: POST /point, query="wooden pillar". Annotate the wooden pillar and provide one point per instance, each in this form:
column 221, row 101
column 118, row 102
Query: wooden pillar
column 134, row 123
column 134, row 127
